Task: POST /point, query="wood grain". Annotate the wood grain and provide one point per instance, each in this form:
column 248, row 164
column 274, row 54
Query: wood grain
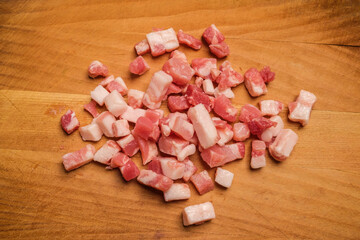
column 45, row 49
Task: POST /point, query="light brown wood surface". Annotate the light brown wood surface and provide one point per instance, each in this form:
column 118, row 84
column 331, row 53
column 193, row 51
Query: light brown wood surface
column 46, row 47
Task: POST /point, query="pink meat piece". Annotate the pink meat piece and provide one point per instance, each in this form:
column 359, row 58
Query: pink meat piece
column 249, row 112
column 105, row 121
column 172, row 144
column 283, row 145
column 267, row 74
column 178, row 54
column 121, row 128
column 183, row 128
column 179, row 69
column 178, row 191
column 148, row 149
column 132, row 115
column 177, row 104
column 188, row 40
column 220, row 50
column 96, row 69
column 270, row 133
column 115, row 103
column 258, row 125
column 154, row 180
column 212, row 35
column 154, row 115
column 186, row 152
column 139, row 66
column 219, row 155
column 142, row 47
column 78, row 158
column 223, row 177
column 129, row 171
column 199, row 81
column 129, row 145
column 164, row 126
column 118, row 160
column 203, row 66
column 135, row 98
column 198, row 214
column 190, row 169
column 99, row 94
column 215, row 73
column 107, row 152
column 146, row 129
column 270, row 107
column 241, row 132
column 157, row 89
column 254, row 83
column 225, row 109
column 208, row 87
column 173, row 89
column 299, row 111
column 202, row 182
column 155, row 166
column 162, row 41
column 91, row 132
column 227, row 92
column 117, row 85
column 107, row 80
column 224, row 130
column 228, row 77
column 258, row 148
column 195, row 96
column 203, row 126
column 172, row 168
column 69, row 122
column 91, row 108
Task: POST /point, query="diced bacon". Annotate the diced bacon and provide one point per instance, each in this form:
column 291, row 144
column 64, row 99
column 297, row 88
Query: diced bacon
column 146, row 129
column 117, row 85
column 178, row 54
column 198, row 214
column 129, row 171
column 224, row 131
column 228, row 77
column 96, row 69
column 267, row 74
column 299, row 111
column 121, row 128
column 179, row 69
column 142, row 47
column 119, row 160
column 203, row 66
column 135, row 98
column 270, row 107
column 91, row 108
column 258, row 154
column 223, row 177
column 148, row 149
column 178, row 191
column 157, row 89
column 172, row 168
column 154, row 115
column 199, row 82
column 254, row 83
column 203, row 126
column 227, row 92
column 190, row 169
column 69, row 122
column 188, row 40
column 220, row 50
column 258, row 125
column 164, row 126
column 115, row 103
column 172, row 144
column 202, row 182
column 170, row 39
column 219, row 155
column 91, row 132
column 214, row 73
column 208, row 87
column 212, row 35
column 177, row 104
column 139, row 66
column 129, row 145
column 225, row 109
column 162, row 41
column 105, row 121
column 183, row 128
column 107, row 80
column 219, row 123
column 154, row 180
column 173, row 89
column 132, row 115
column 241, row 132
column 78, row 158
column 270, row 133
column 155, row 166
column 107, row 152
column 248, row 112
column 172, row 117
column 195, row 96
column 186, row 152
column 283, row 145
column 99, row 94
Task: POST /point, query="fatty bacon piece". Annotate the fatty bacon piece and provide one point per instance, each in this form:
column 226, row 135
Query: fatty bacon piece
column 142, row 47
column 146, row 129
column 224, row 131
column 96, row 69
column 283, row 145
column 132, row 115
column 179, row 69
column 148, row 149
column 129, row 145
column 157, row 89
column 198, row 214
column 178, row 54
column 186, row 152
column 270, row 133
column 162, row 41
column 257, row 126
column 135, row 98
column 91, row 132
column 105, row 121
column 208, row 87
column 248, row 112
column 195, row 96
column 177, row 103
column 188, row 40
column 139, row 66
column 219, row 155
column 258, row 148
column 172, row 144
column 203, row 66
column 69, row 122
column 107, row 152
column 107, row 80
column 154, row 180
column 228, row 77
column 223, row 177
column 242, row 131
column 127, row 167
column 178, row 191
column 225, row 109
column 299, row 111
column 78, row 158
column 154, row 115
column 267, row 74
column 227, row 92
column 172, row 168
column 190, row 169
column 183, row 128
column 121, row 128
column 99, row 94
column 270, row 107
column 115, row 103
column 202, row 182
column 254, row 83
column 155, row 166
column 91, row 108
column 212, row 35
column 117, row 85
column 220, row 50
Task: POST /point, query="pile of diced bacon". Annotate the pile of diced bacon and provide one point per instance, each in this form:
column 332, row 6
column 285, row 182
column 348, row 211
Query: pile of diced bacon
column 166, row 143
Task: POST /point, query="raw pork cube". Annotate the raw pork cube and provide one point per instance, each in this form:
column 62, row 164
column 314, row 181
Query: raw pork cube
column 284, row 143
column 219, row 155
column 99, row 94
column 69, row 122
column 178, row 54
column 117, row 85
column 91, row 132
column 248, row 112
column 129, row 171
column 241, row 132
column 79, row 158
column 195, row 96
column 187, row 151
column 107, row 152
column 154, row 180
column 220, row 50
column 254, row 83
column 198, row 214
column 162, row 41
column 203, row 66
column 190, row 169
column 105, row 121
column 91, row 108
column 225, row 109
column 142, row 47
column 224, row 177
column 177, row 103
column 228, row 77
column 132, row 115
column 271, row 132
column 224, row 131
column 199, row 82
column 227, row 92
column 258, row 154
column 173, row 89
column 270, row 107
column 177, row 191
column 135, row 98
column 119, row 160
column 139, row 66
column 172, row 168
column 267, row 74
column 148, row 149
column 155, row 166
column 257, row 126
column 146, row 129
column 129, row 145
column 208, row 87
column 188, row 40
column 299, row 111
column 179, row 69
column 202, row 182
column 96, row 69
column 215, row 73
column 183, row 128
column 170, row 39
column 154, row 115
column 107, row 80
column 203, row 126
column 157, row 89
column 115, row 103
column 212, row 35
column 172, row 144
column 121, row 128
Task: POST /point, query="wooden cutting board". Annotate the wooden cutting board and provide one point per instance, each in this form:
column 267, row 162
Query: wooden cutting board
column 46, row 47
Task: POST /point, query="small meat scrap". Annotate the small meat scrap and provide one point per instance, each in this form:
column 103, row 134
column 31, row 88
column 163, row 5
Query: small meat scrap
column 212, row 35
column 99, row 94
column 91, row 132
column 241, row 132
column 154, row 115
column 299, row 111
column 129, row 171
column 162, row 41
column 195, row 96
column 267, row 74
column 119, row 160
column 202, row 182
column 186, row 152
column 105, row 121
column 270, row 133
column 135, row 98
column 173, row 89
column 179, row 69
column 199, row 81
column 177, row 191
column 142, row 47
column 203, row 66
column 121, row 128
column 270, row 107
column 224, row 130
column 107, row 152
column 172, row 168
column 283, row 145
column 220, row 155
column 183, row 128
column 107, row 80
column 258, row 148
column 139, row 66
column 148, row 149
column 198, row 214
column 117, row 85
column 79, row 158
column 214, row 73
column 154, row 180
column 146, row 129
column 258, row 125
column 172, row 144
column 248, row 112
column 227, row 92
column 132, row 115
column 129, row 145
column 208, row 87
column 155, row 166
column 188, row 40
column 96, row 69
column 115, row 103
column 223, row 177
column 177, row 103
column 254, row 83
column 157, row 89
column 91, row 108
column 220, row 50
column 228, row 77
column 178, row 54
column 190, row 169
column 69, row 122
column 225, row 109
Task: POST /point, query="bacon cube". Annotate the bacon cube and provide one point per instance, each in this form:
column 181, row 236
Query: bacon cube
column 212, row 35
column 107, row 80
column 172, row 144
column 199, row 82
column 96, row 69
column 91, row 132
column 69, row 122
column 215, row 73
column 283, row 145
column 227, row 92
column 248, row 112
column 257, row 126
column 299, row 111
column 162, row 41
column 258, row 154
column 154, row 180
column 99, row 94
column 219, row 155
column 179, row 69
column 208, row 87
column 91, row 108
column 157, row 89
column 142, row 47
column 203, row 66
column 154, row 115
column 173, row 89
column 178, row 54
column 224, row 108
column 129, row 145
column 177, row 103
column 188, row 40
column 202, row 182
column 186, row 152
column 183, row 128
column 195, row 96
column 172, row 168
column 78, row 158
column 224, row 131
column 105, row 121
column 220, row 50
column 107, row 152
column 198, row 214
column 270, row 133
column 139, row 66
column 224, row 177
column 254, row 83
column 228, row 77
column 155, row 166
column 267, row 74
column 117, row 85
column 241, row 132
column 146, row 129
column 132, row 115
column 148, row 149
column 119, row 160
column 121, row 128
column 135, row 98
column 270, row 107
column 190, row 169
column 129, row 171
column 115, row 103
column 177, row 191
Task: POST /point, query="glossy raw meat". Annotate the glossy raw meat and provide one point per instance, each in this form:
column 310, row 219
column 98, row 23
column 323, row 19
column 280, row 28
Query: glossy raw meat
column 154, row 180
column 178, row 191
column 106, row 152
column 258, row 148
column 121, row 128
column 223, row 177
column 188, row 40
column 148, row 149
column 139, row 66
column 283, row 145
column 258, row 125
column 270, row 107
column 270, row 133
column 172, row 144
column 91, row 108
column 212, row 35
column 115, row 103
column 129, row 171
column 241, row 132
column 203, row 66
column 91, row 132
column 78, row 158
column 179, row 69
column 172, row 168
column 142, row 47
column 220, row 50
column 69, row 122
column 96, row 69
column 267, row 74
column 202, row 182
column 99, row 94
column 157, row 89
column 249, row 112
column 219, row 155
column 105, row 121
column 195, row 96
column 129, row 145
column 135, row 98
column 254, row 83
column 190, row 169
column 299, row 111
column 198, row 214
column 225, row 109
column 117, row 85
column 177, row 103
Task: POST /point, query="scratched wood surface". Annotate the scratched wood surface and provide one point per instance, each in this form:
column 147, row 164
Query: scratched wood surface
column 46, row 47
